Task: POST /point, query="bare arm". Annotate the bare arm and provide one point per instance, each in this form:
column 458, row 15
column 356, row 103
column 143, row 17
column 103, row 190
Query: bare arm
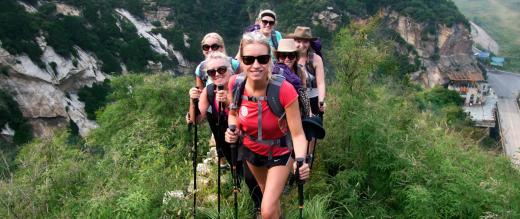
column 298, row 137
column 292, row 112
column 202, row 104
column 320, row 77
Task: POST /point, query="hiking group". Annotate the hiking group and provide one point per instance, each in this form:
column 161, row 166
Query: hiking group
column 264, row 108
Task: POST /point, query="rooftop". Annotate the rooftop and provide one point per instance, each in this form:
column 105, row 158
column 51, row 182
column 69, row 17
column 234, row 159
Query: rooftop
column 465, row 76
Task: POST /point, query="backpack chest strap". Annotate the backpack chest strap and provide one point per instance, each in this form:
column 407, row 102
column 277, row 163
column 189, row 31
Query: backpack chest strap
column 258, row 100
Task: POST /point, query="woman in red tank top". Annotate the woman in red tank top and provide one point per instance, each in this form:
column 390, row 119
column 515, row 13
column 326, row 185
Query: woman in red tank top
column 268, row 163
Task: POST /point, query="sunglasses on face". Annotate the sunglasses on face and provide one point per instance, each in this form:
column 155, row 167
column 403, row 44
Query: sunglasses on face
column 265, row 22
column 213, row 47
column 220, row 70
column 249, row 60
column 284, row 55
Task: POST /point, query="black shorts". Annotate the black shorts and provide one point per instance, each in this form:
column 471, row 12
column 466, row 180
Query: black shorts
column 263, row 161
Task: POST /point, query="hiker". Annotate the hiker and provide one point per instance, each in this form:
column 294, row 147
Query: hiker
column 267, row 135
column 287, row 65
column 315, row 71
column 210, row 43
column 219, row 70
column 265, row 24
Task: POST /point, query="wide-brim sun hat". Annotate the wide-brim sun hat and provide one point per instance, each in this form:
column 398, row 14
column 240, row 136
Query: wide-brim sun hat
column 286, row 45
column 267, row 12
column 302, row 33
column 313, row 128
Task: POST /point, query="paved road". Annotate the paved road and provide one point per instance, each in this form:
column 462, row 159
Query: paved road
column 507, row 87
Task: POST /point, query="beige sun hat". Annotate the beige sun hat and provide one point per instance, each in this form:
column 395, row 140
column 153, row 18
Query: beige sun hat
column 302, row 33
column 267, row 12
column 286, row 45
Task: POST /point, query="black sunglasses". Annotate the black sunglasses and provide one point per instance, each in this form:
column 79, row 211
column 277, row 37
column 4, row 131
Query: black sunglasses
column 213, row 47
column 265, row 22
column 283, row 55
column 249, row 60
column 221, row 70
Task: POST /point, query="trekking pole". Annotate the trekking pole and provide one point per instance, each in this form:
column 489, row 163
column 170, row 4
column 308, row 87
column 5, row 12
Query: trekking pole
column 299, row 163
column 194, row 157
column 219, row 148
column 234, row 171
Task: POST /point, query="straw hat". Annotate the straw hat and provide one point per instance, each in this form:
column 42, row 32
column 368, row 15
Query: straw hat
column 302, row 33
column 267, row 12
column 286, row 45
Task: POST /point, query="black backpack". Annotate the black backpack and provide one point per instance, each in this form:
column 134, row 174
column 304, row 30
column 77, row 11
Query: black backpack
column 213, row 116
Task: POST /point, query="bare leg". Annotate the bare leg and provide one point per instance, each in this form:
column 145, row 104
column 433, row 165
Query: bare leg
column 272, row 182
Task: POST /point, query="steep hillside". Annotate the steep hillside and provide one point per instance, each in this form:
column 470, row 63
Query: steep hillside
column 393, row 149
column 499, row 18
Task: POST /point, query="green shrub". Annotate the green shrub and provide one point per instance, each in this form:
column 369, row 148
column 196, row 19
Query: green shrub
column 94, row 97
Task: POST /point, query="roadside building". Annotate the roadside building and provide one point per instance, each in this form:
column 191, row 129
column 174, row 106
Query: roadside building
column 472, row 87
column 497, row 61
column 479, row 99
column 483, row 56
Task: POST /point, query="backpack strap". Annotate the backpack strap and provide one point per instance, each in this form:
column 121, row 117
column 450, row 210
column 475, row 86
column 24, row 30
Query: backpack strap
column 273, row 39
column 238, row 90
column 210, row 90
column 273, row 95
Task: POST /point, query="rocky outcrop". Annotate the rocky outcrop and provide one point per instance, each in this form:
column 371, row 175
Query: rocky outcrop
column 46, row 89
column 45, row 94
column 160, row 14
column 443, row 52
column 157, row 42
column 327, row 18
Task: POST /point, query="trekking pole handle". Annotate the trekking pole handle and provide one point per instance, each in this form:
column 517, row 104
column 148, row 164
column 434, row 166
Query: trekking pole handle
column 233, row 128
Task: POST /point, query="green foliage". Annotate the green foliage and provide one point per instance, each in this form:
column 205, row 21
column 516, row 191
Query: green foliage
column 228, row 18
column 384, row 157
column 139, row 152
column 50, row 177
column 18, row 30
column 11, row 114
column 94, row 97
column 442, row 102
column 436, row 11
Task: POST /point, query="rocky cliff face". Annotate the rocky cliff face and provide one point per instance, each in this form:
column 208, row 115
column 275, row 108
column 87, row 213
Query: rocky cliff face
column 446, row 51
column 47, row 93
